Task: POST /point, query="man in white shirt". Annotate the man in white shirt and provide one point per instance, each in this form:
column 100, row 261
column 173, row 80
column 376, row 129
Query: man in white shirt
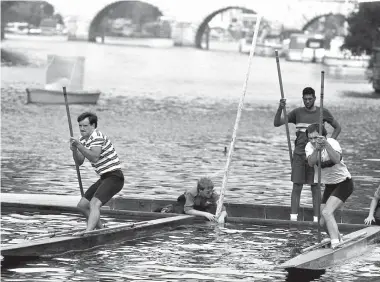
column 334, row 174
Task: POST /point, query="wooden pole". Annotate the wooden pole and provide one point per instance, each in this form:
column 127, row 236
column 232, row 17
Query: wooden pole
column 284, row 110
column 320, row 155
column 240, row 107
column 71, row 134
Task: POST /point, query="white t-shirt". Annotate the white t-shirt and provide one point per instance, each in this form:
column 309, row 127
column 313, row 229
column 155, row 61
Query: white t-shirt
column 330, row 175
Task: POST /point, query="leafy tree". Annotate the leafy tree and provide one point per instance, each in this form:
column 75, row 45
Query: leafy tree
column 59, row 18
column 363, row 28
column 31, row 12
column 48, row 9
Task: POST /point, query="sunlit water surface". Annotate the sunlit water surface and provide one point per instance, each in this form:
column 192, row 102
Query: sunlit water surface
column 201, row 252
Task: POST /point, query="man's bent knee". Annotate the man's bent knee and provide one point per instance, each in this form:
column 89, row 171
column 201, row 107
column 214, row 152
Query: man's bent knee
column 95, row 203
column 83, row 204
column 326, row 213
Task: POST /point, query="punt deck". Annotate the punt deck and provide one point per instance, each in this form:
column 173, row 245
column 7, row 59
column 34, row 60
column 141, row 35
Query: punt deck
column 70, row 242
column 358, row 243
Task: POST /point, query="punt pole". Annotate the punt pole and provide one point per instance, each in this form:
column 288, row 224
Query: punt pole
column 240, row 107
column 71, row 134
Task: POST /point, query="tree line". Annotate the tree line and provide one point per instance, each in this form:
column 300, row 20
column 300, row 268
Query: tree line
column 363, row 28
column 31, row 12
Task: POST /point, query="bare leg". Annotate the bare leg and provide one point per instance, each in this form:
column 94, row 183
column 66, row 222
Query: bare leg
column 322, row 221
column 84, row 207
column 94, row 216
column 332, row 204
column 314, row 193
column 296, row 195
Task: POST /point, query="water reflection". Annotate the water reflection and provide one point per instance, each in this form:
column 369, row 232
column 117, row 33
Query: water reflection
column 303, row 275
column 196, row 253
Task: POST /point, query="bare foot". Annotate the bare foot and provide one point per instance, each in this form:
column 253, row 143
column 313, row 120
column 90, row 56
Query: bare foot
column 80, row 233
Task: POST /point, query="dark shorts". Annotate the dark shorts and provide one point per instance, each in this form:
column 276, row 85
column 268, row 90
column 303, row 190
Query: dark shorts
column 342, row 190
column 109, row 184
column 302, row 173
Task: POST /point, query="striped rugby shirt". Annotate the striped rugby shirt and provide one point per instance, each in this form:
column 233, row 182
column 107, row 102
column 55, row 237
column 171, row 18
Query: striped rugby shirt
column 108, row 160
column 302, row 119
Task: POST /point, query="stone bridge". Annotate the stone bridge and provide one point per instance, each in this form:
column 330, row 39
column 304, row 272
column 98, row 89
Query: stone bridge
column 86, row 17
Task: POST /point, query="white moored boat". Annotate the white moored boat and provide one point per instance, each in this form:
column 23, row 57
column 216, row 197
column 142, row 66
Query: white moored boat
column 351, row 62
column 63, row 72
column 45, row 96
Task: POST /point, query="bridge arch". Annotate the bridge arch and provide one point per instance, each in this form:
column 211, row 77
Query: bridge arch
column 339, row 20
column 204, row 24
column 330, row 25
column 97, row 23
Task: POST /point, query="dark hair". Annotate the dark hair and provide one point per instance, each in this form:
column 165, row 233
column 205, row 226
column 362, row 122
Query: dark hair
column 315, row 127
column 204, row 183
column 92, row 118
column 308, row 91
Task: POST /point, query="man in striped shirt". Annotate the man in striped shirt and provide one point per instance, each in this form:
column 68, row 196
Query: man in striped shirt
column 302, row 173
column 98, row 149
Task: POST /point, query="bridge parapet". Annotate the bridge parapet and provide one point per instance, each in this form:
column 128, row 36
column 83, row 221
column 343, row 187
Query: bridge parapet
column 84, row 17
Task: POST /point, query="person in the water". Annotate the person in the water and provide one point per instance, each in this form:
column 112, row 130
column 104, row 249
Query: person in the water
column 200, row 200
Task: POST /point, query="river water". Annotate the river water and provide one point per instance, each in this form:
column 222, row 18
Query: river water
column 170, row 113
column 201, row 252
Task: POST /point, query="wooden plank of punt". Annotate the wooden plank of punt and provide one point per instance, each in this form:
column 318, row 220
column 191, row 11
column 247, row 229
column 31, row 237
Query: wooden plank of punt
column 59, row 245
column 150, row 205
column 291, row 224
column 53, row 209
column 152, row 215
column 119, row 207
column 274, row 212
column 40, row 199
column 326, row 257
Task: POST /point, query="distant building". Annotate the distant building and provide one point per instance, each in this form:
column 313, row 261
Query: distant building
column 48, row 26
column 17, row 27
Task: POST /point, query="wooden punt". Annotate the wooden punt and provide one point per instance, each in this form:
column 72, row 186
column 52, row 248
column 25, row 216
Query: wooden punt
column 120, row 207
column 44, row 96
column 268, row 215
column 250, row 213
column 357, row 243
column 47, row 247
